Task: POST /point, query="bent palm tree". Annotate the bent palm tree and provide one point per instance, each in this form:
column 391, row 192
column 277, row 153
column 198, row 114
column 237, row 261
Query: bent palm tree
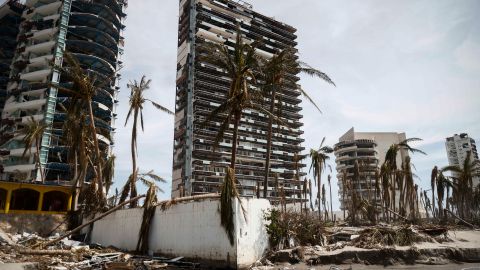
column 276, row 74
column 137, row 101
column 318, row 164
column 33, row 132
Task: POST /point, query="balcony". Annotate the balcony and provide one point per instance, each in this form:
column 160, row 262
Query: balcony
column 13, row 106
column 44, row 9
column 41, row 47
column 35, row 76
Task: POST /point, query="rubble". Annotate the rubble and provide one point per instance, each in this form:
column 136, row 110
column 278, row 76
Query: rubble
column 69, row 254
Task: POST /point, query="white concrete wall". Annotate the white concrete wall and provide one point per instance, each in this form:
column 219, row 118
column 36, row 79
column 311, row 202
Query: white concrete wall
column 191, row 229
column 252, row 237
column 119, row 229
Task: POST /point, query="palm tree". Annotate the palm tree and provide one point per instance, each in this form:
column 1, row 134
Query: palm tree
column 76, row 137
column 84, row 88
column 391, row 168
column 276, row 73
column 331, row 202
column 463, row 183
column 318, row 159
column 137, row 101
column 33, row 132
column 241, row 67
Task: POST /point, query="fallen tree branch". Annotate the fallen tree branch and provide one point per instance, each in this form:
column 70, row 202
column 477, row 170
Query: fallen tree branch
column 395, row 213
column 462, row 220
column 88, row 223
column 45, row 252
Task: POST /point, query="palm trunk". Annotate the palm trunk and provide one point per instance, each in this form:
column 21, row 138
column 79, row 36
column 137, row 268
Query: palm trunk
column 319, row 193
column 39, row 164
column 238, row 116
column 98, row 172
column 269, row 142
column 433, row 201
column 133, row 180
column 331, row 204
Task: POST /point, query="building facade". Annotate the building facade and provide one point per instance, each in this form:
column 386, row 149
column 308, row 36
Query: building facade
column 197, row 168
column 458, row 148
column 368, row 150
column 10, row 17
column 92, row 32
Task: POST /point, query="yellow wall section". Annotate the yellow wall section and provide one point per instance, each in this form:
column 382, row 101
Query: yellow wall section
column 42, row 189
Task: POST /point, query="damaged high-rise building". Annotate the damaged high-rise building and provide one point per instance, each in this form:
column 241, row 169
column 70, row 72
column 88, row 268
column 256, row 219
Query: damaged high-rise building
column 197, row 167
column 92, row 32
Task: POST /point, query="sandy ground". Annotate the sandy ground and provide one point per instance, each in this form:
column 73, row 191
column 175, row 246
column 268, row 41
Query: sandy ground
column 461, row 239
column 469, row 266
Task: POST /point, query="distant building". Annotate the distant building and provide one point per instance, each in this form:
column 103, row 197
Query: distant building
column 197, row 169
column 458, row 147
column 368, row 149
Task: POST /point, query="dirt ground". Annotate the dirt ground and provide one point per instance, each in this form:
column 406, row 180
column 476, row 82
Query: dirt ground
column 469, row 266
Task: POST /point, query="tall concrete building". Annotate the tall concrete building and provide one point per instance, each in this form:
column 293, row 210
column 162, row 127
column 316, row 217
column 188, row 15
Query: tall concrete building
column 368, row 149
column 92, row 32
column 197, row 169
column 458, row 148
column 10, row 17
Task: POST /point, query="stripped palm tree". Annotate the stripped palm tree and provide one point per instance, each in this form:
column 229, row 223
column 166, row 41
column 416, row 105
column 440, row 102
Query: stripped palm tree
column 84, row 87
column 137, row 101
column 463, row 182
column 433, row 180
column 33, row 132
column 277, row 75
column 391, row 167
column 76, row 136
column 331, row 202
column 318, row 164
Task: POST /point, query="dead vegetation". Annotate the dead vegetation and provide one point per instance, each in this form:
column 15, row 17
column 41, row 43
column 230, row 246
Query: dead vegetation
column 382, row 237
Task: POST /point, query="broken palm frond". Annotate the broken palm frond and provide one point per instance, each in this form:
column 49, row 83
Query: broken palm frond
column 228, row 195
column 86, row 224
column 148, row 213
column 381, row 237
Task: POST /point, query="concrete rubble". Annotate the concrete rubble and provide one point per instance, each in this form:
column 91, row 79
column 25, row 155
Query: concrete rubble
column 17, row 250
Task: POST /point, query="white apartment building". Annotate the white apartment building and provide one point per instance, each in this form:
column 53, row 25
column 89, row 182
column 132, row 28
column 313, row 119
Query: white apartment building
column 458, row 148
column 368, row 149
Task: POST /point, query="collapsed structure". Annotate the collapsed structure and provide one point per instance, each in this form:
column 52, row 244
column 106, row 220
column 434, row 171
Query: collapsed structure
column 197, row 168
column 92, row 32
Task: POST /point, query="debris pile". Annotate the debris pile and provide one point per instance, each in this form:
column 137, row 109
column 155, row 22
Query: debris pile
column 379, row 237
column 71, row 254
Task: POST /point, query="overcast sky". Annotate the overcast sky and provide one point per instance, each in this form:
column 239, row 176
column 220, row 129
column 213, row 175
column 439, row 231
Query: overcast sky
column 405, row 66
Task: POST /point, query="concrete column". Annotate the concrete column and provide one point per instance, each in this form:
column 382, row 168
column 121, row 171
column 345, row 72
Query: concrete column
column 40, row 202
column 69, row 205
column 7, row 201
